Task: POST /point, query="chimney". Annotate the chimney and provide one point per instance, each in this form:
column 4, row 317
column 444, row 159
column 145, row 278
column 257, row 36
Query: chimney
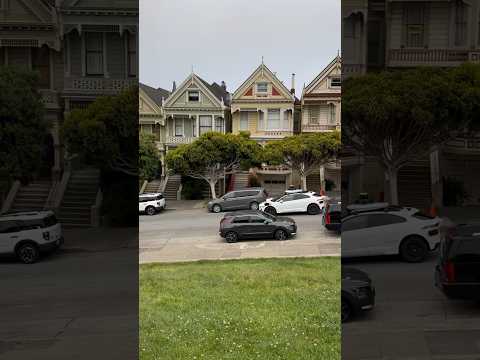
column 174, row 86
column 292, row 90
column 224, row 86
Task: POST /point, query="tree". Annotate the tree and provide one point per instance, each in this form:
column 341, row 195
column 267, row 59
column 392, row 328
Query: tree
column 211, row 155
column 398, row 116
column 148, row 161
column 105, row 134
column 304, row 153
column 23, row 127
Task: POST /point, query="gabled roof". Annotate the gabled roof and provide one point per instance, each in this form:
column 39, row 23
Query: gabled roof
column 324, row 73
column 261, row 68
column 155, row 94
column 215, row 91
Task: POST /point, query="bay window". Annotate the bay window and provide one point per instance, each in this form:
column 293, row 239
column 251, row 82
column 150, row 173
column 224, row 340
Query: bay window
column 205, row 124
column 94, row 53
column 273, row 119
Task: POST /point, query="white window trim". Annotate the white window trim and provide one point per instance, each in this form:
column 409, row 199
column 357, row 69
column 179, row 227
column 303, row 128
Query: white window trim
column 188, row 96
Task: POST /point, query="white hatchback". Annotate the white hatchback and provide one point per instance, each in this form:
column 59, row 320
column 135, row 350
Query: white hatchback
column 150, row 203
column 410, row 234
column 309, row 202
column 28, row 234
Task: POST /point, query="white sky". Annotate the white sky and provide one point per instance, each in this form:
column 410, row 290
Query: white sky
column 226, row 39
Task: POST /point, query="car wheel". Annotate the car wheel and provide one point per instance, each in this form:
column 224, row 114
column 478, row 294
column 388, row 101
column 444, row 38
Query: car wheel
column 313, row 209
column 413, row 249
column 254, row 206
column 347, row 310
column 281, row 235
column 216, row 208
column 231, row 237
column 28, row 253
column 271, row 210
column 150, row 210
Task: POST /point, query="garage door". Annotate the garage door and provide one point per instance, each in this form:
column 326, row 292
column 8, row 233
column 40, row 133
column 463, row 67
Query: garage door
column 274, row 186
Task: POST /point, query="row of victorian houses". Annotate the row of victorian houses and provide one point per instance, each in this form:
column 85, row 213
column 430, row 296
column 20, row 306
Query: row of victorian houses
column 262, row 105
column 81, row 49
column 401, row 34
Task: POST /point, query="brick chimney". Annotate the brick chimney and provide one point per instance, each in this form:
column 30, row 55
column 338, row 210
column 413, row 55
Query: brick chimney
column 174, row 86
column 292, row 90
column 224, row 86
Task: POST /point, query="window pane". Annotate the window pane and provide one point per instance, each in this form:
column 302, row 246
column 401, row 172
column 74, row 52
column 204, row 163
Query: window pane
column 178, row 127
column 244, row 120
column 273, row 121
column 193, row 96
column 205, row 124
column 261, row 123
column 219, row 125
column 262, row 87
column 41, row 64
column 94, row 53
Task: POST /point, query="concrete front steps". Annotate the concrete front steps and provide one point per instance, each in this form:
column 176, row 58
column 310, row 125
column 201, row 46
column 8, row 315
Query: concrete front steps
column 240, row 180
column 153, row 186
column 171, row 189
column 79, row 197
column 32, row 196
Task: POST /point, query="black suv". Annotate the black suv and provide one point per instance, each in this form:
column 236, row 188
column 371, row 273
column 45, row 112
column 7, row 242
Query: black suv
column 256, row 224
column 332, row 216
column 358, row 293
column 457, row 272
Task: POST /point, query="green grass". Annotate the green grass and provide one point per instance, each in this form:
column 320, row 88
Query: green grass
column 241, row 309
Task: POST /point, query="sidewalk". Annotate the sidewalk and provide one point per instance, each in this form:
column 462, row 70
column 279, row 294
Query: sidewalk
column 186, row 204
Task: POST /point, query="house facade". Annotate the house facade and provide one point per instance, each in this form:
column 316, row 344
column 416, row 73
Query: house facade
column 194, row 108
column 393, row 34
column 265, row 107
column 152, row 116
column 82, row 49
column 321, row 112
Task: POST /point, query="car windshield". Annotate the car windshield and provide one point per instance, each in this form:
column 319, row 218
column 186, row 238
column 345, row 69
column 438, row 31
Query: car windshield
column 268, row 216
column 278, row 198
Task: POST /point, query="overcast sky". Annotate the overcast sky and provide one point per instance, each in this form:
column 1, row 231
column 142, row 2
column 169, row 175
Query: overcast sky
column 226, row 39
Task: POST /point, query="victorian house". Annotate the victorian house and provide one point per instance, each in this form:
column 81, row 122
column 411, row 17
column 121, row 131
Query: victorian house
column 321, row 112
column 194, row 108
column 402, row 34
column 152, row 116
column 265, row 108
column 82, row 49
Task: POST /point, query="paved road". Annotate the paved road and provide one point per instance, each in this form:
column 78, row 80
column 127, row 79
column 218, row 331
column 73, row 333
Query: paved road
column 192, row 234
column 75, row 304
column 412, row 319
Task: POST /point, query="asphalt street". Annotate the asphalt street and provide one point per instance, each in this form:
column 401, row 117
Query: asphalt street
column 411, row 319
column 192, row 234
column 74, row 304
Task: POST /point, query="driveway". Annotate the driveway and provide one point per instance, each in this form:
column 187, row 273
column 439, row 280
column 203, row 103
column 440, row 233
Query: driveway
column 192, row 234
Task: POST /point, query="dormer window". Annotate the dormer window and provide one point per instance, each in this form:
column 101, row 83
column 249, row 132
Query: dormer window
column 335, row 82
column 193, row 96
column 262, row 88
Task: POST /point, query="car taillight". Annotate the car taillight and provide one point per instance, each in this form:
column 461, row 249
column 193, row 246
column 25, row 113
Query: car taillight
column 327, row 218
column 450, row 271
column 46, row 235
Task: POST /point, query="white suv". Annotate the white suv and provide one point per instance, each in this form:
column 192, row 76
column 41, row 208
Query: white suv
column 150, row 203
column 28, row 234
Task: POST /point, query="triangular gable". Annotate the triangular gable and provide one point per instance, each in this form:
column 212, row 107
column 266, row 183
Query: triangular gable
column 334, row 68
column 193, row 81
column 150, row 105
column 262, row 73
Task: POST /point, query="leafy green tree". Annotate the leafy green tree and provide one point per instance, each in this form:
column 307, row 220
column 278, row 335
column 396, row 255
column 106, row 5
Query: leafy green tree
column 304, row 153
column 105, row 134
column 398, row 116
column 148, row 161
column 211, row 155
column 23, row 127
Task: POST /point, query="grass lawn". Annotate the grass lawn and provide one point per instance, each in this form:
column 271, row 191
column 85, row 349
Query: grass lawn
column 241, row 309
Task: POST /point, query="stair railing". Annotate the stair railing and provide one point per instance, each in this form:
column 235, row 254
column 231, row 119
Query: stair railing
column 60, row 190
column 12, row 193
column 144, row 185
column 164, row 184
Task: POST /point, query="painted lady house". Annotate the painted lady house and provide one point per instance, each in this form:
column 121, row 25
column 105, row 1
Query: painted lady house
column 321, row 112
column 265, row 108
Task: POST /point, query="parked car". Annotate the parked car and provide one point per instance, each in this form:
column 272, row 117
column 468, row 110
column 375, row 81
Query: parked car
column 255, row 224
column 29, row 234
column 309, row 202
column 244, row 199
column 358, row 293
column 457, row 273
column 388, row 232
column 332, row 216
column 151, row 203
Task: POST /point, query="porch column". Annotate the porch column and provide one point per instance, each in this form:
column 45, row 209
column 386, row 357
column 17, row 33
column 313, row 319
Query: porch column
column 197, row 125
column 213, row 122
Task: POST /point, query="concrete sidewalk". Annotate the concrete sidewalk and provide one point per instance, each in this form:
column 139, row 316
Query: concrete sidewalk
column 186, row 204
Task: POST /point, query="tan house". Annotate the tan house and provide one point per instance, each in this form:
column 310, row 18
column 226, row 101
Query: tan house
column 265, row 108
column 152, row 116
column 321, row 111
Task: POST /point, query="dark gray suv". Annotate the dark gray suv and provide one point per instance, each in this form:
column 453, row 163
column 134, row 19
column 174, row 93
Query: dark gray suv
column 256, row 224
column 243, row 199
